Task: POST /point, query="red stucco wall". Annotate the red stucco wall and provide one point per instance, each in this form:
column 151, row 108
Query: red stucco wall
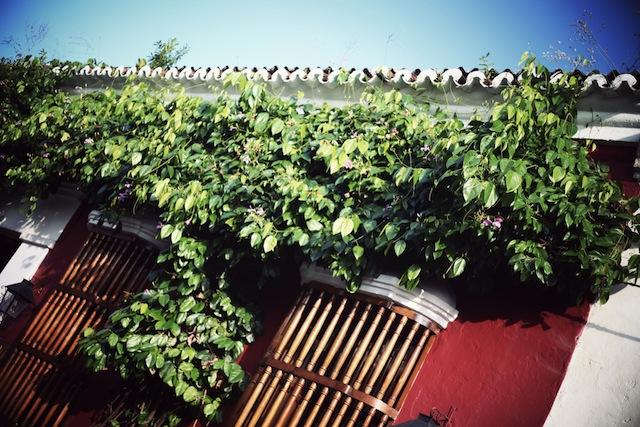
column 620, row 160
column 500, row 363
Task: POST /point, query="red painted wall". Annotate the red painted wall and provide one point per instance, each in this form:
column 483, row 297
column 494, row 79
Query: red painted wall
column 500, row 363
column 620, row 161
column 277, row 300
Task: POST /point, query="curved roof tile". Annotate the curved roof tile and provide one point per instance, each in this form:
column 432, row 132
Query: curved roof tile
column 456, row 77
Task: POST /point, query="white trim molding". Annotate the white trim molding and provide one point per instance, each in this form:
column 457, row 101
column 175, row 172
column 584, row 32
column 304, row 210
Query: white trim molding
column 432, row 302
column 142, row 228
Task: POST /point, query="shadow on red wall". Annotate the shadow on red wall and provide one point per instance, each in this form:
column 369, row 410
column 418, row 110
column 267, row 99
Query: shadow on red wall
column 500, row 363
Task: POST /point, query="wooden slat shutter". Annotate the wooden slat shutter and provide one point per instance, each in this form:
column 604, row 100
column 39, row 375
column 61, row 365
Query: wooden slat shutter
column 338, row 359
column 40, row 375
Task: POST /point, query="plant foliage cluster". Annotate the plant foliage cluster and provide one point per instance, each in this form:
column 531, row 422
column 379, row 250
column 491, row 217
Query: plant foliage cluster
column 388, row 183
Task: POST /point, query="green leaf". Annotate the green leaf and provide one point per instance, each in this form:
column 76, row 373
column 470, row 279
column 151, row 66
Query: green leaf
column 176, row 235
column 277, row 126
column 234, row 373
column 471, row 189
column 113, row 339
column 136, row 158
column 174, row 328
column 390, row 231
column 188, row 202
column 187, row 304
column 269, row 244
column 210, row 409
column 260, row 124
column 413, row 272
column 513, row 180
column 165, row 231
column 399, row 247
column 358, row 251
column 349, row 146
column 303, row 240
column 557, row 174
column 256, row 238
column 314, row 225
column 369, row 225
column 190, row 394
column 363, row 146
column 337, row 226
column 457, row 268
column 346, row 227
column 490, row 195
column 133, row 342
column 159, row 361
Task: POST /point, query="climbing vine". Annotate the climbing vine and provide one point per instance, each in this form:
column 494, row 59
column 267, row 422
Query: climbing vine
column 385, row 184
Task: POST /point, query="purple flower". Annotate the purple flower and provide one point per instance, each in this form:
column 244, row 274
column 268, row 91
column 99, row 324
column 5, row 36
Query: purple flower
column 348, row 164
column 256, row 211
column 125, row 192
column 159, row 225
column 495, row 223
column 45, row 155
column 188, row 222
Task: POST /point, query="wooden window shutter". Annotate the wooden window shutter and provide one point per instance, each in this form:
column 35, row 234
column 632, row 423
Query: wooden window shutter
column 338, row 359
column 40, row 374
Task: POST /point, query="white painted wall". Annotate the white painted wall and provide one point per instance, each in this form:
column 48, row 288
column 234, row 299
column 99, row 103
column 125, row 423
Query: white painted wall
column 38, row 232
column 23, row 264
column 602, row 385
column 45, row 225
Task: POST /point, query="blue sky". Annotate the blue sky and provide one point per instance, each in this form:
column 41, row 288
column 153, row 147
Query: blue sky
column 407, row 33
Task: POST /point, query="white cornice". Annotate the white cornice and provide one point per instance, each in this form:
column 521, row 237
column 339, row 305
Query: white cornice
column 142, row 228
column 433, row 302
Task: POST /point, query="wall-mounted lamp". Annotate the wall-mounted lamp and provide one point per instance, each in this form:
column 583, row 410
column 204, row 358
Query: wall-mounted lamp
column 17, row 298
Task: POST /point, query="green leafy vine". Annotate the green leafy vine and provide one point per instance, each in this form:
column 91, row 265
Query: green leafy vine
column 385, row 184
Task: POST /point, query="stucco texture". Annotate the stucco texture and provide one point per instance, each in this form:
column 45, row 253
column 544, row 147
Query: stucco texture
column 602, row 386
column 500, row 363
